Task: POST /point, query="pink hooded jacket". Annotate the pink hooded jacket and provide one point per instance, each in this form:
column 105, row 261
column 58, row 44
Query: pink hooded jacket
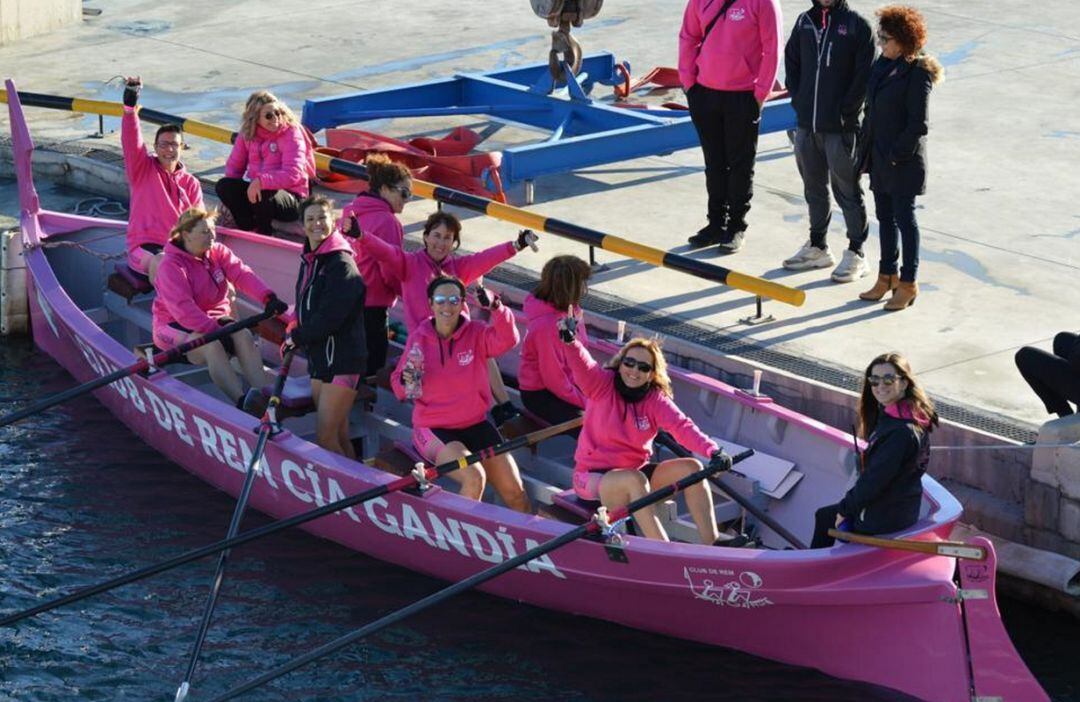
column 742, row 52
column 455, row 390
column 194, row 292
column 543, row 354
column 376, row 219
column 157, row 196
column 415, row 269
column 619, row 434
column 281, row 160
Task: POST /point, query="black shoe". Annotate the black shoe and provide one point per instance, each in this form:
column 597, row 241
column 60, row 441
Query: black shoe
column 736, row 541
column 731, row 243
column 706, row 236
column 504, row 413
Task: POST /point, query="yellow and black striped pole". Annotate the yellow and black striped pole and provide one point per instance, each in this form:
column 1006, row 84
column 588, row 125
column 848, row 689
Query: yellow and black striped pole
column 507, row 213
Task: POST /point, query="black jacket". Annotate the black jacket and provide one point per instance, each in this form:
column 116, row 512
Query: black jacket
column 330, row 310
column 893, row 140
column 887, row 495
column 826, row 69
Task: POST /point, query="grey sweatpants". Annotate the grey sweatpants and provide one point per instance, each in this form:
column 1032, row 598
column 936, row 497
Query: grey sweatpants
column 826, row 159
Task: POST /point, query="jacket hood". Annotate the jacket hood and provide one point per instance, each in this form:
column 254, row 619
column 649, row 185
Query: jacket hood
column 335, row 242
column 535, row 308
column 838, row 5
column 368, row 203
column 932, row 66
column 904, row 411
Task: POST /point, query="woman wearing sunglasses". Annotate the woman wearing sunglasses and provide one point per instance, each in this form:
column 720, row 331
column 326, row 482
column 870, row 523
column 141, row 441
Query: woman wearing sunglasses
column 893, row 147
column 412, row 271
column 626, row 403
column 376, row 210
column 444, row 371
column 896, row 418
column 267, row 173
column 329, row 323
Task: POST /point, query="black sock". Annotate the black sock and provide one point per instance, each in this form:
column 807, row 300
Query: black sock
column 857, row 248
column 818, row 241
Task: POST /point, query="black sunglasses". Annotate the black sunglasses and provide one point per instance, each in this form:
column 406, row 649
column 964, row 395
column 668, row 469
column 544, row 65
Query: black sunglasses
column 886, row 380
column 405, row 193
column 443, row 299
column 640, row 365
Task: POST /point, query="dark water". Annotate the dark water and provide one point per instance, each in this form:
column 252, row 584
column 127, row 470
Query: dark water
column 82, row 499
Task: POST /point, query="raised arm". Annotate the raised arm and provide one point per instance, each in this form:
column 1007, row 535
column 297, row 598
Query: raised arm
column 501, row 333
column 588, row 374
column 473, row 266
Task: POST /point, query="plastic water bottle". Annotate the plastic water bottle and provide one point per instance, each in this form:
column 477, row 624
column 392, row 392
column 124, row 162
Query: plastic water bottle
column 414, row 362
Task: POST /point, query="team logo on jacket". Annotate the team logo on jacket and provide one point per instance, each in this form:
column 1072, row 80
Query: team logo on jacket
column 643, row 423
column 464, row 358
column 273, row 147
column 842, row 30
column 218, row 275
column 737, row 14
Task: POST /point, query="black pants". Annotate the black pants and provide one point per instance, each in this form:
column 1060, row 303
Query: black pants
column 727, row 125
column 375, row 335
column 281, row 205
column 551, row 408
column 1055, row 377
column 824, row 519
column 899, row 229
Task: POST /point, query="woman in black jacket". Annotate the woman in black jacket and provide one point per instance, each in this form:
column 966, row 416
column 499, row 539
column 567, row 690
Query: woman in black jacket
column 896, row 418
column 893, row 146
column 329, row 323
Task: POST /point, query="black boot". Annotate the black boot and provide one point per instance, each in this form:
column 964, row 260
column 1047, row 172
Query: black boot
column 708, row 235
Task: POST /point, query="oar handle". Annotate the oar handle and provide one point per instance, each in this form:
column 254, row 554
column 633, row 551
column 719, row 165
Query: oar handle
column 160, row 359
column 949, row 549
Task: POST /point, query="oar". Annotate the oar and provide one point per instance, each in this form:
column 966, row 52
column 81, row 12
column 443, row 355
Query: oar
column 274, row 527
column 760, row 514
column 949, row 549
column 472, row 581
column 267, row 427
column 168, row 356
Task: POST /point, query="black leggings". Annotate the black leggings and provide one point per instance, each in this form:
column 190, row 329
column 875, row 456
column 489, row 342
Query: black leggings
column 375, row 335
column 1055, row 377
column 281, row 205
column 551, row 408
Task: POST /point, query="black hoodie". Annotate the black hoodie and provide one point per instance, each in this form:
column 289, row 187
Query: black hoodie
column 827, row 63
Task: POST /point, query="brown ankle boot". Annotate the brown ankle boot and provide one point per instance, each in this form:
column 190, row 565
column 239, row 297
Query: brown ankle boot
column 904, row 296
column 884, row 284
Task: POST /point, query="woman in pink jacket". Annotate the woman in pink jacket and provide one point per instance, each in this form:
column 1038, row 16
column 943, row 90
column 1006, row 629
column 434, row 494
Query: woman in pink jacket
column 267, row 173
column 626, row 403
column 444, row 372
column 193, row 300
column 376, row 210
column 544, row 377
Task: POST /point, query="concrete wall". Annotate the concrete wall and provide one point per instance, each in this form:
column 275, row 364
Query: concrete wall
column 25, row 18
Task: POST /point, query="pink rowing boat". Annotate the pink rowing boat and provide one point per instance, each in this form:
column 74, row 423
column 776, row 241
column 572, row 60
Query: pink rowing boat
column 923, row 624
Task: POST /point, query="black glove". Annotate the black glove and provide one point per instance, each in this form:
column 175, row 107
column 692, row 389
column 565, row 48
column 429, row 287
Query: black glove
column 274, row 306
column 567, row 329
column 487, row 300
column 131, row 92
column 526, row 237
column 720, row 461
column 353, row 231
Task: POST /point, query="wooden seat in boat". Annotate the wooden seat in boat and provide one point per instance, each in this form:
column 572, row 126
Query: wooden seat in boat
column 393, row 461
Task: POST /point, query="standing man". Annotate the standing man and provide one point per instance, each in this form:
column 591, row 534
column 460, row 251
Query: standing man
column 160, row 187
column 827, row 61
column 729, row 52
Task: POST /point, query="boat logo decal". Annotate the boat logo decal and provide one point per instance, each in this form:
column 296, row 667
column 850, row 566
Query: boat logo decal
column 739, row 591
column 46, row 312
column 464, row 358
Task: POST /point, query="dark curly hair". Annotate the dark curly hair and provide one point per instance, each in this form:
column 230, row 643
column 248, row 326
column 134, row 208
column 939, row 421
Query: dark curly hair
column 906, row 26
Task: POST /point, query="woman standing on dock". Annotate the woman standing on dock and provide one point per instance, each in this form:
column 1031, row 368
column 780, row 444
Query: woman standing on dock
column 376, row 210
column 272, row 151
column 544, row 376
column 626, row 403
column 329, row 323
column 893, row 146
column 192, row 284
column 444, row 371
column 896, row 418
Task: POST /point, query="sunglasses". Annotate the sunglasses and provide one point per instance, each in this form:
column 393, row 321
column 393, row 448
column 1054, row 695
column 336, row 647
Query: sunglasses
column 405, row 193
column 886, row 380
column 273, row 113
column 883, row 37
column 446, row 299
column 640, row 365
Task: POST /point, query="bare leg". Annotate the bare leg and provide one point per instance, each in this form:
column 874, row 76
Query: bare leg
column 213, row 356
column 250, row 361
column 333, row 403
column 471, row 477
column 698, row 496
column 619, row 488
column 498, row 387
column 503, row 473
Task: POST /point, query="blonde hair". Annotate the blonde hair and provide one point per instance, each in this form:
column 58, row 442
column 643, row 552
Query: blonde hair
column 255, row 102
column 660, row 378
column 189, row 218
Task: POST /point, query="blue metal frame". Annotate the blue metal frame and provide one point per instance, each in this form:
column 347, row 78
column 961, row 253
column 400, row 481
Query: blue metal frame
column 585, row 132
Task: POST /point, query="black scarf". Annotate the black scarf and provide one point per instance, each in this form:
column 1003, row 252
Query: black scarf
column 629, row 394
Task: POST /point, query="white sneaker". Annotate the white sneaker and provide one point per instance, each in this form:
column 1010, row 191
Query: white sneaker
column 809, row 256
column 852, row 267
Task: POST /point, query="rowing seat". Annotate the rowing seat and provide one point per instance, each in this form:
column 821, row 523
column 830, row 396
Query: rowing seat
column 128, row 283
column 569, row 501
column 393, row 461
